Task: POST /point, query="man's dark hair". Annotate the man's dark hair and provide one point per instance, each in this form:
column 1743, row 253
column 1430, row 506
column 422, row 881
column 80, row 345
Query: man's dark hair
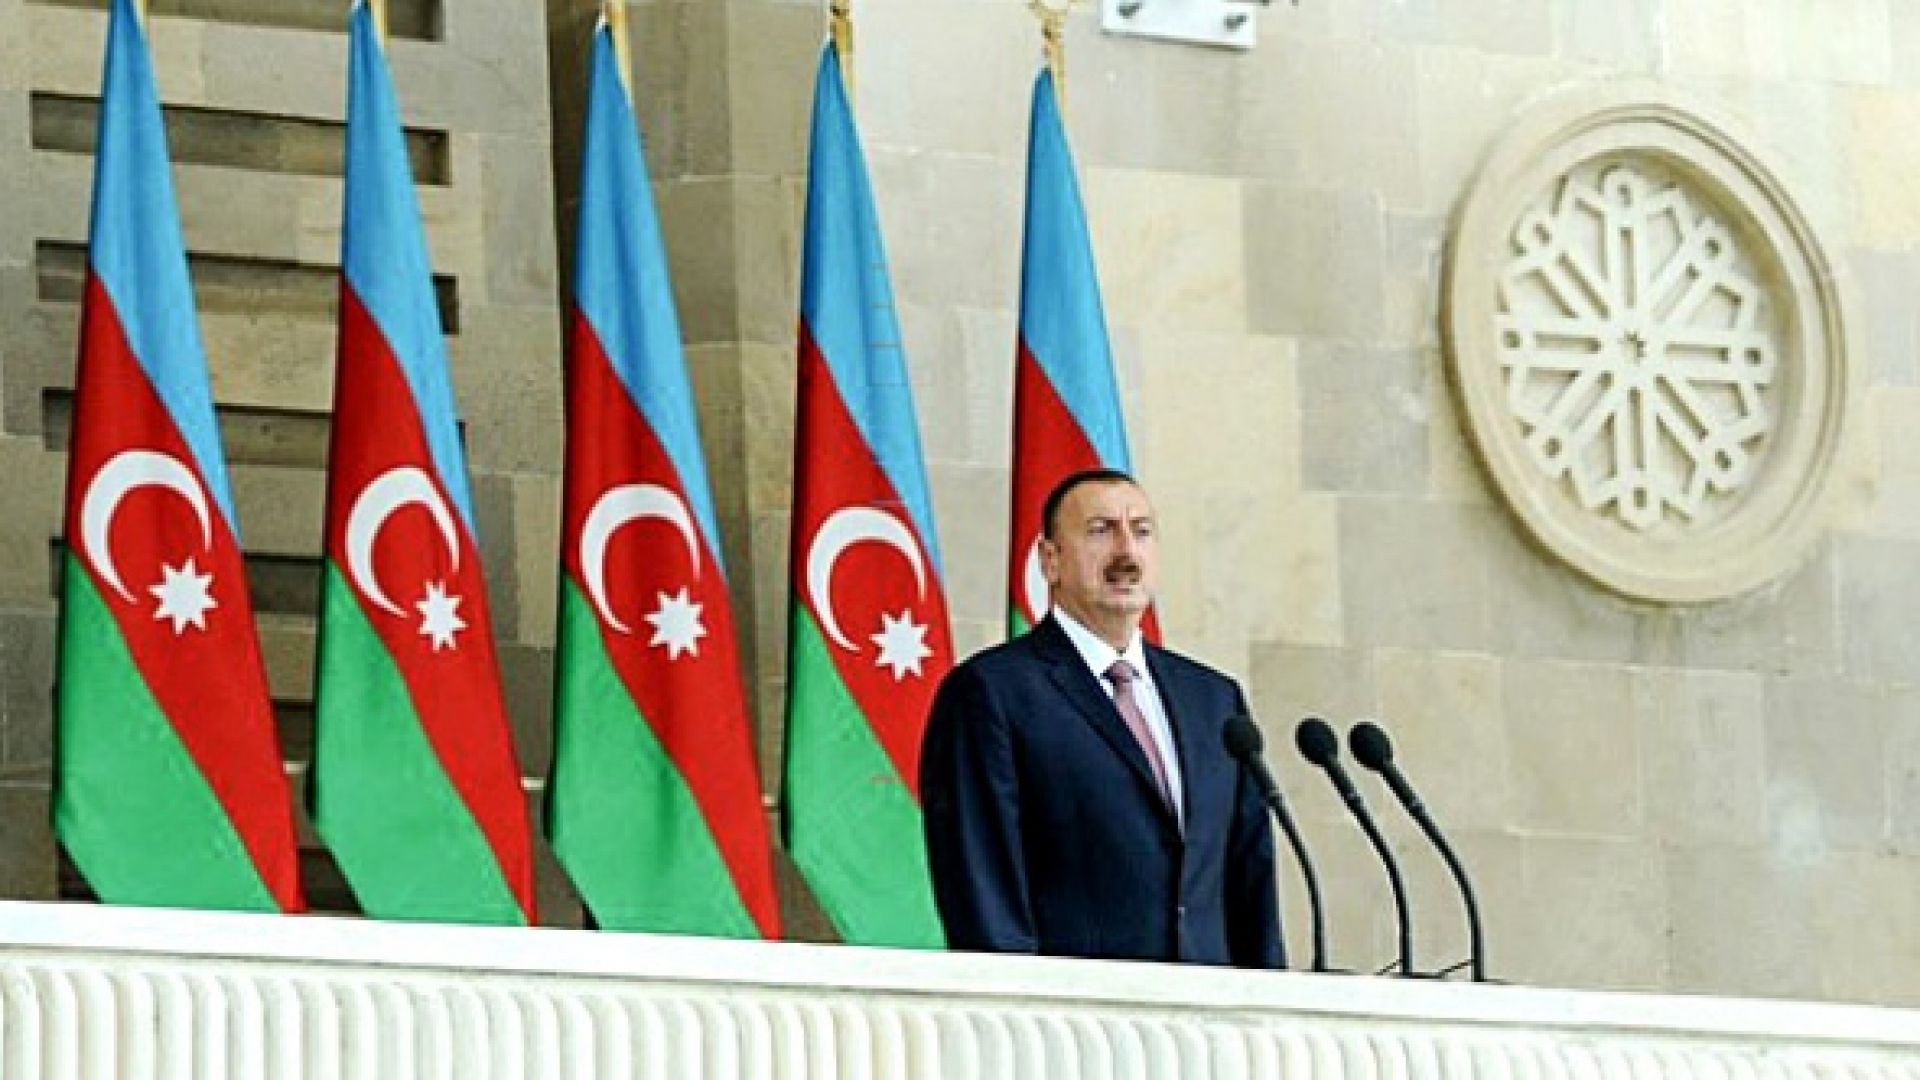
column 1050, row 510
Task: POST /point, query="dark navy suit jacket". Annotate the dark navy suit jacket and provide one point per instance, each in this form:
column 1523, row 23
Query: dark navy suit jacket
column 1046, row 832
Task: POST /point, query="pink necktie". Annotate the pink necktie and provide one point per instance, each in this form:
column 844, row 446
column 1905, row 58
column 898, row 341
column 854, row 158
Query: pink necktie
column 1122, row 676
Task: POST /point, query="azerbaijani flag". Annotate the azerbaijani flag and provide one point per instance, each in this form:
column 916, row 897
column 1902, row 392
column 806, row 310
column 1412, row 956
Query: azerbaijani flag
column 168, row 786
column 1066, row 409
column 868, row 639
column 654, row 803
column 415, row 786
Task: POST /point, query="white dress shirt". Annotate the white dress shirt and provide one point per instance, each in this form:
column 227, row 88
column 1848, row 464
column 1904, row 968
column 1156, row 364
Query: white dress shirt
column 1099, row 656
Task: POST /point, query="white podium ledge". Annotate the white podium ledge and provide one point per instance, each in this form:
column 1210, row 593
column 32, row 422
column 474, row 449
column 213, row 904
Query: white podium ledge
column 89, row 991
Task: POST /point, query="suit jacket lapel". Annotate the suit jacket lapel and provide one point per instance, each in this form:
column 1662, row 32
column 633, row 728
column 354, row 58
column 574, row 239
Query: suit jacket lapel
column 1181, row 717
column 1069, row 673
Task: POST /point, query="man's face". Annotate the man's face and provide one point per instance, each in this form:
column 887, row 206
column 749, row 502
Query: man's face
column 1100, row 563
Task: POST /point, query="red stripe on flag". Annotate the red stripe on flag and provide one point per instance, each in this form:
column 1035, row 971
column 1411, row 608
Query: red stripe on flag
column 872, row 586
column 455, row 690
column 207, row 675
column 1049, row 445
column 693, row 699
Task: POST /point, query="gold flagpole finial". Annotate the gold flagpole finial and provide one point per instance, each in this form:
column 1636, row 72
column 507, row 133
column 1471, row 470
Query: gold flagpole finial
column 378, row 9
column 840, row 14
column 1053, row 40
column 140, row 11
column 614, row 14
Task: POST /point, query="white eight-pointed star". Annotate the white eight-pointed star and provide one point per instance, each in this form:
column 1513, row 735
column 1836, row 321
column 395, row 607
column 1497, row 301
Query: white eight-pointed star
column 439, row 616
column 185, row 597
column 676, row 625
column 903, row 644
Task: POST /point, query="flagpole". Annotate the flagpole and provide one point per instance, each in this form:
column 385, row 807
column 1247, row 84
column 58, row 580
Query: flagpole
column 1053, row 42
column 840, row 12
column 614, row 12
column 379, row 9
column 140, row 11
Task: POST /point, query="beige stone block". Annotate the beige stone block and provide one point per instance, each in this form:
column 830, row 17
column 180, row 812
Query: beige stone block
column 766, row 603
column 14, row 65
column 1826, row 748
column 1703, row 755
column 944, row 77
column 1365, row 415
column 66, row 51
column 1881, row 165
column 29, row 858
column 269, row 360
column 507, row 386
column 516, row 218
column 696, row 220
column 1465, row 101
column 769, row 384
column 1171, row 248
column 1360, row 133
column 1590, row 913
column 1288, row 682
column 1454, row 472
column 36, row 488
column 1867, row 929
column 1496, row 864
column 773, row 50
column 970, row 512
column 287, row 648
column 1543, row 608
column 1574, row 750
column 1877, row 596
column 987, row 343
column 16, row 154
column 1134, row 103
column 27, row 690
column 1893, row 415
column 1416, row 573
column 1353, row 886
column 1743, row 922
column 769, row 219
column 308, row 75
column 1889, row 326
column 1314, row 262
column 972, row 635
column 1709, row 37
column 236, row 212
column 536, row 546
column 681, row 94
column 1220, row 410
column 1446, row 712
column 1261, row 567
column 1903, row 772
column 1844, row 41
column 946, row 219
column 281, row 510
column 1626, row 35
column 1793, row 626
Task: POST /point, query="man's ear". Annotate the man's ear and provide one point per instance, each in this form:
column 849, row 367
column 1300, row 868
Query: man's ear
column 1049, row 561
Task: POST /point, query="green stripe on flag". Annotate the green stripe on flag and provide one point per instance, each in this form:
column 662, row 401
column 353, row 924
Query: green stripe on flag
column 1016, row 623
column 406, row 842
column 621, row 817
column 131, row 805
column 852, row 826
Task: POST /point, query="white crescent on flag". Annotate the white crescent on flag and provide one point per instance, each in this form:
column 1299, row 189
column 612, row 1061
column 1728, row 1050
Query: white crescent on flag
column 619, row 506
column 387, row 493
column 124, row 473
column 1039, row 601
column 844, row 528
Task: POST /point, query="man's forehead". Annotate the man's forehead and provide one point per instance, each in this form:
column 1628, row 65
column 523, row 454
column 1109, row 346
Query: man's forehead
column 1114, row 498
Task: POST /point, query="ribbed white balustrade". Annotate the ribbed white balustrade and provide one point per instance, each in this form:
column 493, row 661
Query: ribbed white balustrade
column 90, row 992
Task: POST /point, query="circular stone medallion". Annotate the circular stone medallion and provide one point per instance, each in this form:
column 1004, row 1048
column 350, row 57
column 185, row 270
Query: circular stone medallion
column 1647, row 343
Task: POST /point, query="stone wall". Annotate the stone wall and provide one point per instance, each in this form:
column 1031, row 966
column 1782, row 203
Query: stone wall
column 1723, row 797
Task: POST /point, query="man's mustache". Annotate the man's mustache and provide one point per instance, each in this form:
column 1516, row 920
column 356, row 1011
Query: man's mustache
column 1120, row 565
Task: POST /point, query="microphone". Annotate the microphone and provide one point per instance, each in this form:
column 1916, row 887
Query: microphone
column 1373, row 749
column 1319, row 745
column 1243, row 742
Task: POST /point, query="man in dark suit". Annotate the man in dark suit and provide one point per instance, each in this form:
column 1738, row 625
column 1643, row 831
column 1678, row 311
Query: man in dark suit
column 1078, row 800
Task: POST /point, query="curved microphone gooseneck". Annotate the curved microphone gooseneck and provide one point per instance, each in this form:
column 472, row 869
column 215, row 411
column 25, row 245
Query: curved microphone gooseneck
column 1319, row 745
column 1243, row 741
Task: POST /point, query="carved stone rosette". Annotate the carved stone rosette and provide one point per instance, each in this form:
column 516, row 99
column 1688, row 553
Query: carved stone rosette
column 1648, row 346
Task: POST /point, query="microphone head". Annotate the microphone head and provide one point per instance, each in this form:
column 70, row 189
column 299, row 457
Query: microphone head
column 1370, row 745
column 1242, row 737
column 1317, row 742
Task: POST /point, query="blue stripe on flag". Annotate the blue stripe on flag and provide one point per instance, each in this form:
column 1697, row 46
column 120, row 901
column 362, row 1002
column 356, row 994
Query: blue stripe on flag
column 384, row 254
column 621, row 282
column 1061, row 318
column 135, row 249
column 846, row 301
